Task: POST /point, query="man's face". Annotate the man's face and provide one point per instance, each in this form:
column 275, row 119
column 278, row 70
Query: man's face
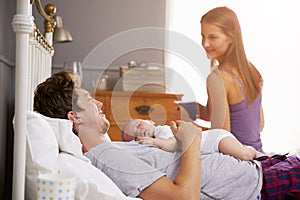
column 91, row 115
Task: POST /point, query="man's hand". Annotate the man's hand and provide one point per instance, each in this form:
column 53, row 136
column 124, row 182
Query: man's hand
column 185, row 131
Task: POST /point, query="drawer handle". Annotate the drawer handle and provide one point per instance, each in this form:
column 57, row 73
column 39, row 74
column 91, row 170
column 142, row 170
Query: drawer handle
column 143, row 110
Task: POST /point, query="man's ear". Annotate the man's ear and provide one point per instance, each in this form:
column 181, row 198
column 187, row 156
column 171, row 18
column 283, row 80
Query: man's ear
column 71, row 116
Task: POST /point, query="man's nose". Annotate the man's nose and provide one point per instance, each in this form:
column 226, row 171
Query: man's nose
column 98, row 103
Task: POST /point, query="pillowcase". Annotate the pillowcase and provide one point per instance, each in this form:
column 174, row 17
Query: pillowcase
column 67, row 140
column 100, row 186
column 45, row 138
column 41, row 151
column 72, row 161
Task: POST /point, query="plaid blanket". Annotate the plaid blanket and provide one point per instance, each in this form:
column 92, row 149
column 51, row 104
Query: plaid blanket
column 281, row 177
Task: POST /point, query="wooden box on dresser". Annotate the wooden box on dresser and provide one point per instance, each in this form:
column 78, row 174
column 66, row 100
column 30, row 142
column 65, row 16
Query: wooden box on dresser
column 119, row 107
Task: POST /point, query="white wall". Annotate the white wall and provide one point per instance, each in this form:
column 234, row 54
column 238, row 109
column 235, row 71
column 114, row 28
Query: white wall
column 271, row 36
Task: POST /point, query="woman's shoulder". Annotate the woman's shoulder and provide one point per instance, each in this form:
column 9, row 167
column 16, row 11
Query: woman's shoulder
column 230, row 81
column 214, row 74
column 219, row 74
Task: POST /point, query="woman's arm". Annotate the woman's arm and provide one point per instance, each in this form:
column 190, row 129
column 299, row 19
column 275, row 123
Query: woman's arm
column 218, row 104
column 204, row 113
column 187, row 183
column 262, row 119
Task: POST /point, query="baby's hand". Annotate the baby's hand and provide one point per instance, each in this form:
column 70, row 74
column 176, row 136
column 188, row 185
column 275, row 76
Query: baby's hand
column 145, row 140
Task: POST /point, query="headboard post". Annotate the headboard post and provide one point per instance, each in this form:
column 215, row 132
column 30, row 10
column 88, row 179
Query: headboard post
column 33, row 65
column 23, row 25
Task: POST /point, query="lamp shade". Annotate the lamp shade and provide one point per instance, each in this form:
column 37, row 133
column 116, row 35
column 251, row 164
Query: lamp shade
column 61, row 34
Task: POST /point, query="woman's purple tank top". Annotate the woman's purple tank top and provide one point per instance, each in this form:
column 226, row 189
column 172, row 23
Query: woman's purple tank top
column 245, row 120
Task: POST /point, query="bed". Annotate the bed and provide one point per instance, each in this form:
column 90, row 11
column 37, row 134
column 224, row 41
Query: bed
column 39, row 146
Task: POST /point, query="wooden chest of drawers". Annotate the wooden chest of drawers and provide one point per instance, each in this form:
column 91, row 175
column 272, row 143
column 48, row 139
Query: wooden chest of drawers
column 119, row 107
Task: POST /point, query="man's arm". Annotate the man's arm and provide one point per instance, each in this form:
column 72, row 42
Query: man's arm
column 187, row 183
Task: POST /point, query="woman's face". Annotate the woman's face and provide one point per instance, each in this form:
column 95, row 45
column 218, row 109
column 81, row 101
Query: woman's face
column 214, row 41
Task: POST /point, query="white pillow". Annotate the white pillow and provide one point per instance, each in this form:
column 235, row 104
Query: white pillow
column 46, row 136
column 100, row 186
column 67, row 140
column 41, row 151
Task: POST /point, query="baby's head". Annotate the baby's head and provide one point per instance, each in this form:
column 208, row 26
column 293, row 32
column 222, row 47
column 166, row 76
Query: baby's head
column 136, row 128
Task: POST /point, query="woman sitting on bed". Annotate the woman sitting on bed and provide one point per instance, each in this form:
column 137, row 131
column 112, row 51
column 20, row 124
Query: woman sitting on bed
column 151, row 173
column 234, row 85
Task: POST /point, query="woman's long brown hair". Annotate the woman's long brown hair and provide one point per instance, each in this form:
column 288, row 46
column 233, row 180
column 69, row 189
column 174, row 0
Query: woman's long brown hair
column 227, row 21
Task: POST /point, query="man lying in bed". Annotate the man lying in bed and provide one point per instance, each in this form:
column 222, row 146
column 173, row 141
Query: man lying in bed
column 151, row 173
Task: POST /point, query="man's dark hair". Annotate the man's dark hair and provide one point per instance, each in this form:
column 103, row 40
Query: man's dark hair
column 53, row 97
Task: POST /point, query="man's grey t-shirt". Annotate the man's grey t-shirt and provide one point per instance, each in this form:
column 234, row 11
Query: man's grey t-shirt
column 133, row 167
